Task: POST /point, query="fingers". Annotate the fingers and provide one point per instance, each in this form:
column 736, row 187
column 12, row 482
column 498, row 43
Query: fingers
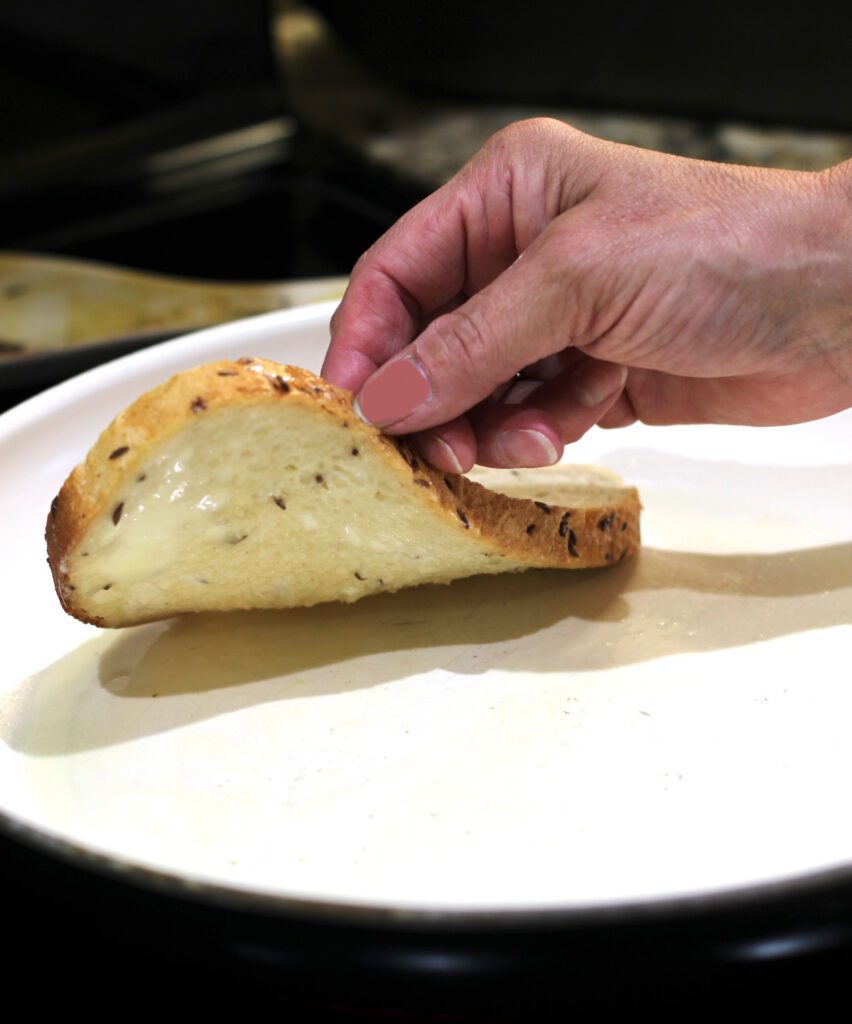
column 515, row 436
column 620, row 414
column 557, row 413
column 451, row 447
column 530, row 312
column 458, row 241
column 516, row 433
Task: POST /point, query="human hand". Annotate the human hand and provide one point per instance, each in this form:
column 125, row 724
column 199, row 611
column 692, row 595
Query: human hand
column 619, row 283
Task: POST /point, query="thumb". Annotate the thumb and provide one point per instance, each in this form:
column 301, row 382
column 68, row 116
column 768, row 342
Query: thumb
column 524, row 315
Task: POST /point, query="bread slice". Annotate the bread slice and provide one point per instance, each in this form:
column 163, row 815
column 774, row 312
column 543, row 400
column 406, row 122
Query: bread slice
column 249, row 484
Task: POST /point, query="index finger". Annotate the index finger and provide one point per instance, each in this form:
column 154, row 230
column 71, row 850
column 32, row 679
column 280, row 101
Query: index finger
column 450, row 246
column 454, row 242
column 458, row 241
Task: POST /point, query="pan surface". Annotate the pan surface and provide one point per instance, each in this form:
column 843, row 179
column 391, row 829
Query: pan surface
column 671, row 728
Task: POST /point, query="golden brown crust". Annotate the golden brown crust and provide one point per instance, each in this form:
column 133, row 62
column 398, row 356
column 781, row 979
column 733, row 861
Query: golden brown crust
column 529, row 532
column 534, row 532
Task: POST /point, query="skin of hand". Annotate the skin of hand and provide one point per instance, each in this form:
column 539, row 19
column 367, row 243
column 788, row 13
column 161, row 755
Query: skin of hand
column 559, row 281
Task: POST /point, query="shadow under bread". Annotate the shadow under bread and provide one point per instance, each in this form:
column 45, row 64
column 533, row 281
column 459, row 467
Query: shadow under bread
column 662, row 603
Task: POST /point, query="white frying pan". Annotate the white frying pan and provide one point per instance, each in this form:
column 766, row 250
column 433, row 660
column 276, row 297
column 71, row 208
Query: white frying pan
column 670, row 730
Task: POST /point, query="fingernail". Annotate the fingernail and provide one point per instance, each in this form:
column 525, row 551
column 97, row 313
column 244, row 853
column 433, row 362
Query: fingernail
column 521, row 391
column 595, row 382
column 393, row 392
column 447, row 452
column 525, row 448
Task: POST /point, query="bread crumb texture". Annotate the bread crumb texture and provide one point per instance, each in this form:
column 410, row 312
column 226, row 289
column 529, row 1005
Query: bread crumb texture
column 248, row 484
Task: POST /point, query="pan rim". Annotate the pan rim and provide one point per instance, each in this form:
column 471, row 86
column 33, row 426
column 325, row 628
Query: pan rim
column 667, row 909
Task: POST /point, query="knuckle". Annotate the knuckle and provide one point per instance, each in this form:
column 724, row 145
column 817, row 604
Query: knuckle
column 514, row 136
column 363, row 262
column 461, row 343
column 550, row 127
column 537, row 131
column 515, row 133
column 531, row 128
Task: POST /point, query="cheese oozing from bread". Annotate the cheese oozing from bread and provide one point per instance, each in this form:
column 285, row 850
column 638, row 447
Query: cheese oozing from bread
column 249, row 484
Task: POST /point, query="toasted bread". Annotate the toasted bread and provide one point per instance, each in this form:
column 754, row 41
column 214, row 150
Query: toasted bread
column 248, row 484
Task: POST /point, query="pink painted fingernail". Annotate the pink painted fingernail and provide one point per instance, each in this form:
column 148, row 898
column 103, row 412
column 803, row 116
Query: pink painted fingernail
column 393, row 392
column 525, row 448
column 596, row 381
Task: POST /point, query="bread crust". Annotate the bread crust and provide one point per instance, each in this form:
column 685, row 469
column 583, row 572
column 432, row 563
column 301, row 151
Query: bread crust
column 531, row 533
